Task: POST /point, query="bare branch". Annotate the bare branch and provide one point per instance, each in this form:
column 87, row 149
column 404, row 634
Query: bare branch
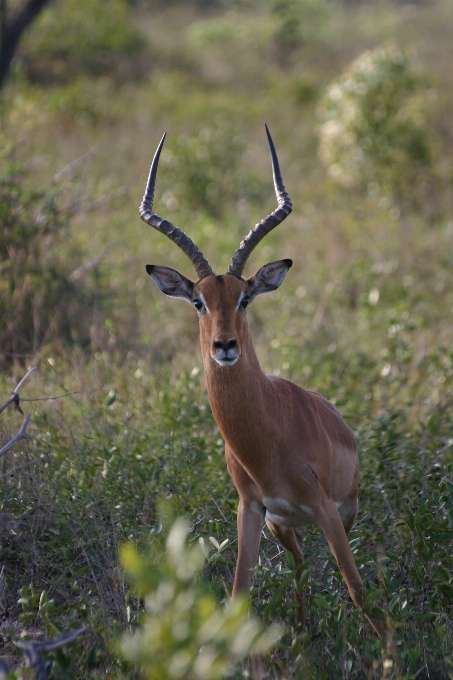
column 33, row 651
column 80, row 272
column 82, row 206
column 15, row 395
column 17, row 437
column 2, row 590
column 42, row 647
column 31, row 370
column 68, row 169
column 65, row 639
column 59, row 396
column 14, row 399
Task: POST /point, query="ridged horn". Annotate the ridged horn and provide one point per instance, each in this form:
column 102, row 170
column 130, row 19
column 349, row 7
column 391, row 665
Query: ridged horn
column 270, row 222
column 165, row 227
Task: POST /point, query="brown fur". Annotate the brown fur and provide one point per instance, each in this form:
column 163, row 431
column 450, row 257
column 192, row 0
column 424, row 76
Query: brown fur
column 282, row 442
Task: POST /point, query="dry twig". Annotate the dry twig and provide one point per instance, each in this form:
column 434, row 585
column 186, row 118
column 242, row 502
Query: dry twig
column 15, row 399
column 69, row 169
column 15, row 395
column 17, row 437
column 33, row 653
column 80, row 272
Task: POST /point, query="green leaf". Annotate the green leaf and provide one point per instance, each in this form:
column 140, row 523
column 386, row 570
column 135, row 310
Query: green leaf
column 335, row 599
column 93, row 657
column 370, row 599
column 47, row 607
column 62, row 660
column 301, row 581
column 42, row 599
column 26, row 618
column 290, row 558
column 111, row 400
column 377, row 612
column 394, row 584
column 321, row 602
column 392, row 555
column 354, row 543
column 214, row 542
column 444, row 573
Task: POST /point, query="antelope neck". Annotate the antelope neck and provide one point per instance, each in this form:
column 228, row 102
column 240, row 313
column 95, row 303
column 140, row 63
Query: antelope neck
column 237, row 395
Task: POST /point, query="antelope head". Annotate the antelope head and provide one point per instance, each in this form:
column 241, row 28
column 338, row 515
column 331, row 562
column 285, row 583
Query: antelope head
column 221, row 301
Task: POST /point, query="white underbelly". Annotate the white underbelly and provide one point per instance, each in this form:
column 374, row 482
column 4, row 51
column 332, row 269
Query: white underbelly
column 283, row 514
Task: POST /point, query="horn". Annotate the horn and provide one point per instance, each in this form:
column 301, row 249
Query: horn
column 270, row 222
column 165, row 227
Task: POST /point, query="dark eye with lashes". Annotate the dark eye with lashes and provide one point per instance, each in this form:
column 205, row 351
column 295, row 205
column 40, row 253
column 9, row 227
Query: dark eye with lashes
column 244, row 302
column 198, row 305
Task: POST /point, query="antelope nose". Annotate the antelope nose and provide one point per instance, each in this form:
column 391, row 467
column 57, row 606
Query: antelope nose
column 225, row 344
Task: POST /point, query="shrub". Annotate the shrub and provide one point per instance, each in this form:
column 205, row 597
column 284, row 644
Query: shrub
column 375, row 125
column 43, row 295
column 183, row 633
column 296, row 23
column 88, row 36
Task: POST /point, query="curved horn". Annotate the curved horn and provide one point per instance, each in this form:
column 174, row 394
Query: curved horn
column 270, row 222
column 165, row 227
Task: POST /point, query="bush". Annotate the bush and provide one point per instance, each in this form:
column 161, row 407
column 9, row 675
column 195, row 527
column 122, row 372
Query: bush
column 375, row 124
column 89, row 36
column 296, row 23
column 183, row 633
column 45, row 294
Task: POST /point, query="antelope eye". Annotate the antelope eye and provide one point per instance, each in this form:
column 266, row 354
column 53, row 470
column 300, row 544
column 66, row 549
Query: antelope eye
column 198, row 305
column 244, row 302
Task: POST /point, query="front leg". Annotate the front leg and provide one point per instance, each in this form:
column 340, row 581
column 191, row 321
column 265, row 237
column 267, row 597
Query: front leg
column 250, row 525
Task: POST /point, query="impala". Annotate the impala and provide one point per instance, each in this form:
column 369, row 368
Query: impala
column 291, row 456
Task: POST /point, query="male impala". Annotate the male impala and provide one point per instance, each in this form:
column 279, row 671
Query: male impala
column 291, row 456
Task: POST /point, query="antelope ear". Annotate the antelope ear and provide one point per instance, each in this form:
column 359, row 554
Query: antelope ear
column 268, row 278
column 171, row 282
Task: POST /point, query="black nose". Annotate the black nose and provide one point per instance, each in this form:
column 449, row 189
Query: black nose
column 225, row 345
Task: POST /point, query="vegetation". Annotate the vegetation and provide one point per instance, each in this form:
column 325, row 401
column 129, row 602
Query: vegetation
column 183, row 633
column 358, row 99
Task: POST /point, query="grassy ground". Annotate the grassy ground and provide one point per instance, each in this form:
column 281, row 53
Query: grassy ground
column 363, row 317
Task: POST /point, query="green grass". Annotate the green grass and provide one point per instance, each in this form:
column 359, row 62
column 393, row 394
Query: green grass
column 100, row 461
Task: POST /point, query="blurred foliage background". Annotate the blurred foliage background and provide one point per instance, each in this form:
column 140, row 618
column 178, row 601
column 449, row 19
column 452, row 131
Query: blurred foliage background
column 358, row 97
